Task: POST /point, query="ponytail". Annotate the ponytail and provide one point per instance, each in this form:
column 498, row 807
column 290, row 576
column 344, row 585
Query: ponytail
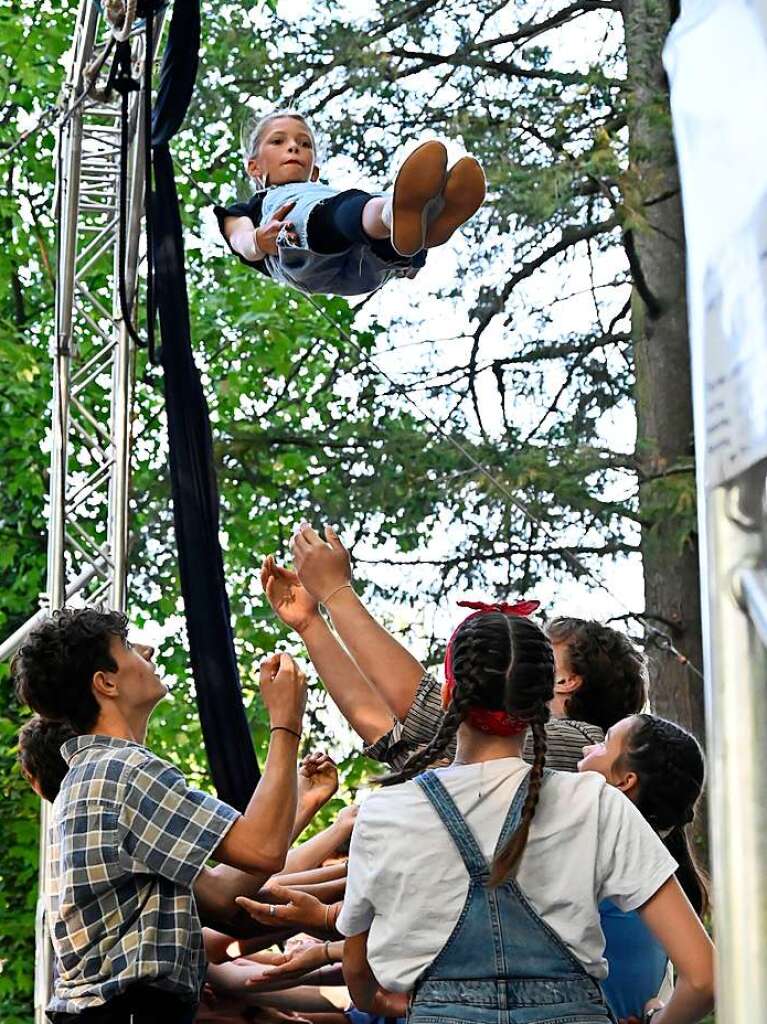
column 669, row 764
column 689, row 874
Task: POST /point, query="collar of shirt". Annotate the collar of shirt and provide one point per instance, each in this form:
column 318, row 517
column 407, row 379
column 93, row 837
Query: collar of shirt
column 73, row 747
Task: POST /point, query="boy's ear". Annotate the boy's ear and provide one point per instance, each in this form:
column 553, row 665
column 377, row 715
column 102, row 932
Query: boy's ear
column 104, row 684
column 627, row 784
column 251, row 167
column 315, row 173
column 569, row 684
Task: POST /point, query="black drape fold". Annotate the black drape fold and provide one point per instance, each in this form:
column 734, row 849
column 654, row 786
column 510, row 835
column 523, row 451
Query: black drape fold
column 225, row 729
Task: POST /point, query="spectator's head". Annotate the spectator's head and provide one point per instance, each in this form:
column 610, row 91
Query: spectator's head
column 601, row 675
column 661, row 768
column 40, row 757
column 78, row 667
column 499, row 680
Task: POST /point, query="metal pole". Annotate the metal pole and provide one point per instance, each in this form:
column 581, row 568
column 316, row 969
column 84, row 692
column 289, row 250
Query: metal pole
column 736, row 688
column 9, row 647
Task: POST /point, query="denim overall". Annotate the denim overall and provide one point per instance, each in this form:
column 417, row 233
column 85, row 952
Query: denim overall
column 502, row 963
column 355, row 271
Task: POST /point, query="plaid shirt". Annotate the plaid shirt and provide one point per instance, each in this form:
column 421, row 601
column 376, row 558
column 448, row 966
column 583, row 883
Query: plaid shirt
column 128, row 838
column 565, row 738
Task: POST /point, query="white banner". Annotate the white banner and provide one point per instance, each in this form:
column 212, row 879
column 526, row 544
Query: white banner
column 716, row 58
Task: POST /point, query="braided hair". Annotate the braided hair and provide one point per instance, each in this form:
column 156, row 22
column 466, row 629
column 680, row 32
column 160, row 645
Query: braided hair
column 670, row 769
column 500, row 662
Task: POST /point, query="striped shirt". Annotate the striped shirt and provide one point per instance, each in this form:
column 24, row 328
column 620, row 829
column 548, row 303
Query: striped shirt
column 128, row 838
column 565, row 738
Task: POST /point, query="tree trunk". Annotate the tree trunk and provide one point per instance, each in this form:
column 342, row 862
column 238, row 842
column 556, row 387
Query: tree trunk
column 663, row 379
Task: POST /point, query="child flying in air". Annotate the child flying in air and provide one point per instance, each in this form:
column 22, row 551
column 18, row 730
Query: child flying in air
column 320, row 240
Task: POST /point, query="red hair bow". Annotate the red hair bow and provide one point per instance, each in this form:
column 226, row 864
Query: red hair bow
column 499, row 723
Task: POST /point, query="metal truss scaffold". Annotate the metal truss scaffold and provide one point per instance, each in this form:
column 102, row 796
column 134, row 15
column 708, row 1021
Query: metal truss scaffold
column 93, row 357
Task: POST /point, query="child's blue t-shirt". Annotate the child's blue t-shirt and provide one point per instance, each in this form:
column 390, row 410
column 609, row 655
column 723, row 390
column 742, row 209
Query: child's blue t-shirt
column 637, row 961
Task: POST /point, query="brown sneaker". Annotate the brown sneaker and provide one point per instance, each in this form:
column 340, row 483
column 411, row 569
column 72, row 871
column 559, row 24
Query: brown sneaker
column 463, row 194
column 419, row 181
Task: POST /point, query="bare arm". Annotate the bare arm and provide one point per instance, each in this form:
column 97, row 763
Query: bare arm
column 362, row 707
column 323, row 568
column 317, row 783
column 312, row 876
column 675, row 925
column 315, row 850
column 258, row 841
column 363, row 986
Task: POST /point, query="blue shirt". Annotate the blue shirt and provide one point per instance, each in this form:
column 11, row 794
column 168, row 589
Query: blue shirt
column 637, row 961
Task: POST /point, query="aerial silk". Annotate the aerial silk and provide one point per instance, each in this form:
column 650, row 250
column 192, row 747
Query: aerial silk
column 228, row 743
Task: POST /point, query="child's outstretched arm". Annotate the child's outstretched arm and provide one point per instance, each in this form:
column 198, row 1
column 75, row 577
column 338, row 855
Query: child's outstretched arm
column 253, row 242
column 362, row 707
column 325, row 571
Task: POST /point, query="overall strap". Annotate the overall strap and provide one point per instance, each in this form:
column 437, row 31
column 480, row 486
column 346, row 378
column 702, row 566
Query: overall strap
column 515, row 811
column 455, row 823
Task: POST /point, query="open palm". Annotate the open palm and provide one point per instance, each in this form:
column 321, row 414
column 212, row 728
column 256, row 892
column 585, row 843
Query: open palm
column 291, row 602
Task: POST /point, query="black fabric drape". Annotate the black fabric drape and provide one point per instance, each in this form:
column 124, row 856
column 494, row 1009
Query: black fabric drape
column 195, row 495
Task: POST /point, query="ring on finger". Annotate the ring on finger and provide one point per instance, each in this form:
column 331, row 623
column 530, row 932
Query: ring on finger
column 272, row 910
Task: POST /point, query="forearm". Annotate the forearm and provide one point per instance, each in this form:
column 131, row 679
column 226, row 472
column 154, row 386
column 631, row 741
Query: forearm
column 215, row 891
column 388, row 666
column 326, row 892
column 358, row 701
column 314, row 851
column 305, row 811
column 306, row 997
column 312, row 876
column 258, row 842
column 687, row 1004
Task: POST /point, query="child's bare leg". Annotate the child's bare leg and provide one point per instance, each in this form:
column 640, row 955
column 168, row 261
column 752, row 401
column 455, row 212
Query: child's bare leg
column 372, row 217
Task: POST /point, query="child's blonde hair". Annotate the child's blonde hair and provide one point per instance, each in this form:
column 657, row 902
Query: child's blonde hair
column 254, row 131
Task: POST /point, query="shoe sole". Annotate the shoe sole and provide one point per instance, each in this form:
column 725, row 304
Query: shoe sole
column 464, row 193
column 420, row 179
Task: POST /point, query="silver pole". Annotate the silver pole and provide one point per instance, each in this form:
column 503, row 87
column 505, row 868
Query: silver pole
column 9, row 647
column 736, row 689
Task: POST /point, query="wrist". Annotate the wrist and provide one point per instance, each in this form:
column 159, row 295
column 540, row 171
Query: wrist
column 286, row 727
column 339, row 595
column 314, row 624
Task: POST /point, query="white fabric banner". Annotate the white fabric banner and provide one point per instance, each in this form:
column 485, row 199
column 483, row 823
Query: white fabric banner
column 716, row 59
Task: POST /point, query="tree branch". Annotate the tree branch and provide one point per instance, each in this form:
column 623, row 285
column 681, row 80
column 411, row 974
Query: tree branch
column 531, row 29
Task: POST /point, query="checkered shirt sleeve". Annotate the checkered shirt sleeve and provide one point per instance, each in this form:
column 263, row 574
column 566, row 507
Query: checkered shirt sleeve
column 168, row 828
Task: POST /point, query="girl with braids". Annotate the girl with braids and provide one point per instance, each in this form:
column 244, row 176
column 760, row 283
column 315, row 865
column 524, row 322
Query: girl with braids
column 660, row 767
column 475, row 888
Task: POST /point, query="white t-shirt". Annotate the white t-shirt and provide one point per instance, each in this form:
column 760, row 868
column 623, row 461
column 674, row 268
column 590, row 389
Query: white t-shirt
column 407, row 883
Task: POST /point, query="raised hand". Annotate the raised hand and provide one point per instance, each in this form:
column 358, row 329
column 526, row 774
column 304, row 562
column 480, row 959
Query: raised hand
column 266, row 236
column 290, row 600
column 323, row 566
column 283, row 690
column 317, row 779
